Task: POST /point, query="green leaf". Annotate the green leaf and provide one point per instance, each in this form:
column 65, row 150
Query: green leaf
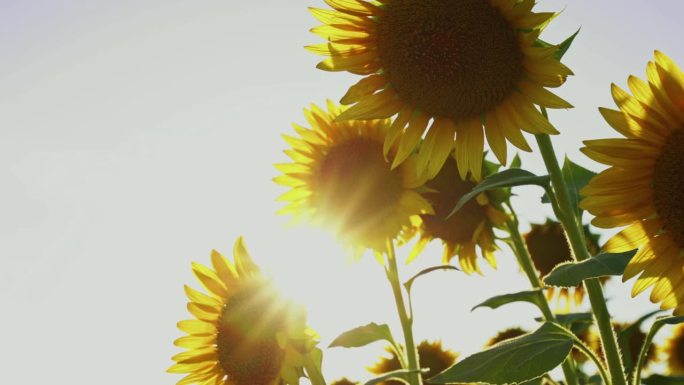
column 562, row 47
column 402, row 375
column 409, row 283
column 671, row 320
column 532, row 296
column 576, row 177
column 565, row 45
column 570, row 319
column 516, row 162
column 573, row 273
column 506, row 178
column 657, row 379
column 363, row 335
column 513, row 361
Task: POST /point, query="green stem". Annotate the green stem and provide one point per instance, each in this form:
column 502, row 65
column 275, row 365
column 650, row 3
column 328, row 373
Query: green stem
column 592, row 356
column 644, row 351
column 525, row 262
column 406, row 320
column 573, row 229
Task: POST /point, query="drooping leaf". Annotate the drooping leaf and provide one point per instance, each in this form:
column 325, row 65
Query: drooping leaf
column 363, row 335
column 506, row 178
column 657, row 379
column 573, row 273
column 532, row 296
column 402, row 375
column 409, row 283
column 513, row 361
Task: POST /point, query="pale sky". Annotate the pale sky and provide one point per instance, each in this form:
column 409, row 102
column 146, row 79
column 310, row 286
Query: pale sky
column 135, row 136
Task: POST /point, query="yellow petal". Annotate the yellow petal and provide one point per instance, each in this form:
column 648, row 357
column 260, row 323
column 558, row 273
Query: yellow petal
column 409, row 140
column 364, row 87
column 243, row 261
column 224, row 269
column 496, row 138
column 197, row 327
column 209, row 280
column 376, row 106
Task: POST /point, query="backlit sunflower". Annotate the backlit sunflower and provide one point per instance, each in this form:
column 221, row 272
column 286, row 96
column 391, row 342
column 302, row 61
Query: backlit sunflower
column 548, row 248
column 341, row 179
column 468, row 229
column 458, row 69
column 644, row 186
column 432, row 356
column 505, row 335
column 344, row 381
column 243, row 333
column 674, row 351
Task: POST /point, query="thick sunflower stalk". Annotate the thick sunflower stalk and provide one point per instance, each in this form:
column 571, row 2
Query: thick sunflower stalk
column 403, row 157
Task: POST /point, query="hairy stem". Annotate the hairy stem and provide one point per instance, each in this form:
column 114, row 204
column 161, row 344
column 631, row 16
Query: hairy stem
column 573, row 229
column 404, row 317
column 525, row 262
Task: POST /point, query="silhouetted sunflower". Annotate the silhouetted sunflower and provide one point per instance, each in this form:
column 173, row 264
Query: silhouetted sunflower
column 431, row 356
column 469, row 229
column 548, row 248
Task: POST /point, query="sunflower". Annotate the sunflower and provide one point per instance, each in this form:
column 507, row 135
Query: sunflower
column 505, row 335
column 456, row 69
column 674, row 351
column 344, row 381
column 469, row 228
column 243, row 333
column 340, row 178
column 432, row 357
column 548, row 248
column 644, row 186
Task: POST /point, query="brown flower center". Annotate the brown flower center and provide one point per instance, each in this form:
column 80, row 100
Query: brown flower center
column 505, row 335
column 448, row 189
column 247, row 347
column 356, row 186
column 547, row 246
column 433, row 357
column 668, row 183
column 454, row 59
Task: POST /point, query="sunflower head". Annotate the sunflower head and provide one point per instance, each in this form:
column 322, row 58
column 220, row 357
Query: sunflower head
column 432, row 356
column 505, row 335
column 243, row 332
column 642, row 188
column 549, row 247
column 344, row 381
column 341, row 179
column 469, row 229
column 458, row 70
column 673, row 351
